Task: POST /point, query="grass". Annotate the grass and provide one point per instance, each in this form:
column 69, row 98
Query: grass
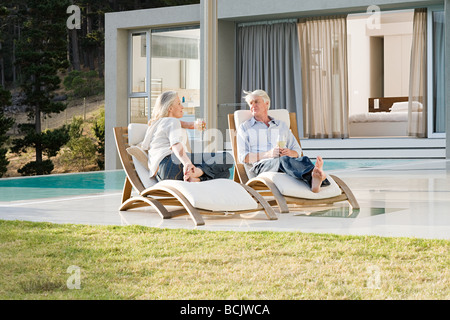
column 136, row 262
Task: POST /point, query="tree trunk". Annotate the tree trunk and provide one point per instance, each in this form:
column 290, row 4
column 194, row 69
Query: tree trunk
column 75, row 51
column 37, row 118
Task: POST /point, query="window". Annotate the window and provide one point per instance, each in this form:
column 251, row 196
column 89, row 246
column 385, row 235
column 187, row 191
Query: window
column 171, row 62
column 138, row 81
column 175, row 65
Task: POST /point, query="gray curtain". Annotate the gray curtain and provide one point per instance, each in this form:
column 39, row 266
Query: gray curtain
column 439, row 69
column 268, row 58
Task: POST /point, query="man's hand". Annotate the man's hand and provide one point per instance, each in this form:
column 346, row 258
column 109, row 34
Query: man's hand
column 274, row 153
column 288, row 152
column 281, row 152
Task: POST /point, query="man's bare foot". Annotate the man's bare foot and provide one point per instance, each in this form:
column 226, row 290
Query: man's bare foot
column 318, row 175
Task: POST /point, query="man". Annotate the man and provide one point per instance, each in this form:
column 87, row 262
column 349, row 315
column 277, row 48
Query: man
column 257, row 140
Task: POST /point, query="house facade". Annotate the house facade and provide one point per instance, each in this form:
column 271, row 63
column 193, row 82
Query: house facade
column 211, row 52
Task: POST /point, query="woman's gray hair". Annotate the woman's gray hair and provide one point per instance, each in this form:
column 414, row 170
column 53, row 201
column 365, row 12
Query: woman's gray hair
column 162, row 105
column 257, row 93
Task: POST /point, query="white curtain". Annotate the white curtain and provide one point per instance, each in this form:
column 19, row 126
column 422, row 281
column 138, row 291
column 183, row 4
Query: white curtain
column 269, row 59
column 417, row 124
column 323, row 42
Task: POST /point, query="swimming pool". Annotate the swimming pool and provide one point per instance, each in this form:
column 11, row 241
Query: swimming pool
column 42, row 187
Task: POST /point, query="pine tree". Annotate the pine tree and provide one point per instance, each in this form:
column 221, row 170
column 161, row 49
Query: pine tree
column 41, row 54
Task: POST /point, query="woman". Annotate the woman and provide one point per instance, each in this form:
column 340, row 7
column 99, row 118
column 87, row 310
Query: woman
column 167, row 154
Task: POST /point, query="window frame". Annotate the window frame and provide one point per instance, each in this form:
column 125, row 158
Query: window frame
column 430, row 80
column 148, row 88
column 147, row 93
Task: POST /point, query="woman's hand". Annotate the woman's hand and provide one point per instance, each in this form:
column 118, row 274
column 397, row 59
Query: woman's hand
column 188, row 168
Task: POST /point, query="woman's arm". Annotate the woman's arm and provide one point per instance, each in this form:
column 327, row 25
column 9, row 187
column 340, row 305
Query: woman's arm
column 187, row 125
column 179, row 152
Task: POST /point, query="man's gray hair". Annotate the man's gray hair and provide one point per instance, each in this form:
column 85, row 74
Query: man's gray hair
column 249, row 96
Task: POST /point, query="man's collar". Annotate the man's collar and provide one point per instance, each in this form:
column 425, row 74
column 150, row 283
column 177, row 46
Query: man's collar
column 253, row 121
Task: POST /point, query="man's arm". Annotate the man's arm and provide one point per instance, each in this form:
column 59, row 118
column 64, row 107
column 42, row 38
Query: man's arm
column 255, row 157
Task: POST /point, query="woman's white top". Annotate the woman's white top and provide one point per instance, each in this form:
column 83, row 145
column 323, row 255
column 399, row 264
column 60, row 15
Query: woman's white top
column 159, row 139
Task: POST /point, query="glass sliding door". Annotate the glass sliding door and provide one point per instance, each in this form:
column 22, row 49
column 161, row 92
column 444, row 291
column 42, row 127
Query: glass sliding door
column 171, row 61
column 175, row 65
column 138, row 111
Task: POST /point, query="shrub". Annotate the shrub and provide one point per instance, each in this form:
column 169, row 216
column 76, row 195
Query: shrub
column 99, row 132
column 36, row 168
column 80, row 151
column 83, row 83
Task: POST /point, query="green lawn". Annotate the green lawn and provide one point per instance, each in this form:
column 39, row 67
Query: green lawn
column 145, row 263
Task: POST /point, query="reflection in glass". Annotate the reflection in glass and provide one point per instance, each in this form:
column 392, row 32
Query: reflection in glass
column 438, row 72
column 139, row 110
column 139, row 63
column 175, row 65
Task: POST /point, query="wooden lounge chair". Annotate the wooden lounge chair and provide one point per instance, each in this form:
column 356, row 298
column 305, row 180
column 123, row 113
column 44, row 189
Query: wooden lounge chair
column 280, row 188
column 220, row 196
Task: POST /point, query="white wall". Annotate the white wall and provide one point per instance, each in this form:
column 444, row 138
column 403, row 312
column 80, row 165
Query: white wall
column 359, row 65
column 397, row 57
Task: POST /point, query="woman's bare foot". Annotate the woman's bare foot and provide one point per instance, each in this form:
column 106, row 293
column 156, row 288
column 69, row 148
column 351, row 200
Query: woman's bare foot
column 318, row 175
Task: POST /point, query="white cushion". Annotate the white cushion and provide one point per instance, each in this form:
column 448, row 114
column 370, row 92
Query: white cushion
column 144, row 174
column 241, row 116
column 292, row 187
column 214, row 195
column 136, row 133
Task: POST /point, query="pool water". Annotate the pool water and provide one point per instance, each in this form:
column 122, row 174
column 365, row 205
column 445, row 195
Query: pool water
column 26, row 188
column 346, row 164
column 42, row 187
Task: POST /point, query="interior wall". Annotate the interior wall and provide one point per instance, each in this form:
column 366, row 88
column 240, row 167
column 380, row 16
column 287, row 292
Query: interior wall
column 374, row 53
column 359, row 66
column 376, row 60
column 397, row 57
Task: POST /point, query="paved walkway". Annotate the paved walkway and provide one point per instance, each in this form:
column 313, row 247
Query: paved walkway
column 411, row 199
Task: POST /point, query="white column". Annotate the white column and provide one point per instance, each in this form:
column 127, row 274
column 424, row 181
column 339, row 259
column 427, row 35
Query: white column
column 209, row 54
column 116, row 107
column 447, row 73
